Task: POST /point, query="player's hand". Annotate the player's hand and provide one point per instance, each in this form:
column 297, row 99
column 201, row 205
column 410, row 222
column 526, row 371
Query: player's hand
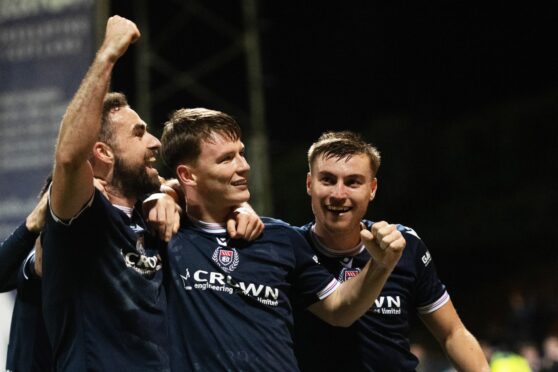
column 101, row 185
column 245, row 224
column 173, row 188
column 163, row 215
column 35, row 221
column 120, row 33
column 384, row 243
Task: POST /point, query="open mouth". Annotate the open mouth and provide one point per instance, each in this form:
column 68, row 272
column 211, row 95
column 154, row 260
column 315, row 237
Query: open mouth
column 337, row 208
column 150, row 162
column 240, row 183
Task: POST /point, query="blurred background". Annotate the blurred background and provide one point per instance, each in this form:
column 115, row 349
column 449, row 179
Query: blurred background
column 461, row 100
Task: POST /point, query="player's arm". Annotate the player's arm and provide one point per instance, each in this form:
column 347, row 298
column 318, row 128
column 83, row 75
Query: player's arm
column 12, row 253
column 72, row 184
column 14, row 250
column 242, row 223
column 354, row 297
column 459, row 344
column 163, row 214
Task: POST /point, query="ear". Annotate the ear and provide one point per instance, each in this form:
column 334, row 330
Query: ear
column 308, row 182
column 185, row 175
column 103, row 152
column 373, row 188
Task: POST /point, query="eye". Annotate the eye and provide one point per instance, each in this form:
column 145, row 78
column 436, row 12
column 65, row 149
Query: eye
column 226, row 158
column 139, row 130
column 353, row 182
column 327, row 180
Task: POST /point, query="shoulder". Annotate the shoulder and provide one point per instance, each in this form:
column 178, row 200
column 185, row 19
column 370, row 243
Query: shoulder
column 279, row 229
column 279, row 226
column 275, row 223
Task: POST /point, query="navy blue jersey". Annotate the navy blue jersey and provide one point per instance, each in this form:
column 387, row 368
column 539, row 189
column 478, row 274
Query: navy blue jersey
column 379, row 341
column 230, row 300
column 29, row 348
column 103, row 300
column 12, row 253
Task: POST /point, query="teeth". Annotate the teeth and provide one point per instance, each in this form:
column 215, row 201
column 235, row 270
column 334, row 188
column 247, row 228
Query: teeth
column 338, row 209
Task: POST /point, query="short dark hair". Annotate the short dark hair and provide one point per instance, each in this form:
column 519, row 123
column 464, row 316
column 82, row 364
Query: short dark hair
column 187, row 128
column 343, row 145
column 112, row 102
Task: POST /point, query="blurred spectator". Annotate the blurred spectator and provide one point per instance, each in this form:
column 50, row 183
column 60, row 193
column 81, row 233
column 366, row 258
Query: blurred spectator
column 531, row 354
column 508, row 362
column 550, row 354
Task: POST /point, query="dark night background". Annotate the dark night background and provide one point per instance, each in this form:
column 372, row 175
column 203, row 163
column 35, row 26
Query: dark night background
column 461, row 100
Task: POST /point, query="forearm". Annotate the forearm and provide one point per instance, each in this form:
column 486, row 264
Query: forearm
column 72, row 181
column 465, row 352
column 354, row 297
column 82, row 121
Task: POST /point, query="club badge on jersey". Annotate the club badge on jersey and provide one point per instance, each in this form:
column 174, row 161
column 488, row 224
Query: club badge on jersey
column 226, row 258
column 347, row 274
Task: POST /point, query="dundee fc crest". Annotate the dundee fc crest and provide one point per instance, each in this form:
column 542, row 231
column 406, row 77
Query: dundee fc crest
column 347, row 274
column 226, row 258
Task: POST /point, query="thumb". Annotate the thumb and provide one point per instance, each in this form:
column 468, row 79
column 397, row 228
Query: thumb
column 370, row 243
column 366, row 236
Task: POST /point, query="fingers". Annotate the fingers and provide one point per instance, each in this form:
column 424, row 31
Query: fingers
column 35, row 221
column 163, row 215
column 120, row 33
column 384, row 243
column 387, row 235
column 244, row 225
column 231, row 227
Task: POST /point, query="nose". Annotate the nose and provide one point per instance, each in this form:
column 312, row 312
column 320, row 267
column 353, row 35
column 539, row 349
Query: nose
column 243, row 166
column 339, row 191
column 152, row 142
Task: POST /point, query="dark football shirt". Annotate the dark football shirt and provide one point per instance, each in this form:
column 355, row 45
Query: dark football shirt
column 12, row 253
column 230, row 300
column 379, row 341
column 103, row 300
column 28, row 347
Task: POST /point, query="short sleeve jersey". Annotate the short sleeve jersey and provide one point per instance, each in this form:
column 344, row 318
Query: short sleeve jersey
column 379, row 340
column 230, row 300
column 103, row 300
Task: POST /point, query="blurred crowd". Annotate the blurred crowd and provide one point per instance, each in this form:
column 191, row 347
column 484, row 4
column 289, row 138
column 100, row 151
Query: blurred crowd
column 525, row 339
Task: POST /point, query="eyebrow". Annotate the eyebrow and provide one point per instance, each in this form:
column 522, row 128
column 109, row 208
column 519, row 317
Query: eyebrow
column 352, row 175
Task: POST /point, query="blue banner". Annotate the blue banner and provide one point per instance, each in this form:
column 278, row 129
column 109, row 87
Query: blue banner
column 46, row 47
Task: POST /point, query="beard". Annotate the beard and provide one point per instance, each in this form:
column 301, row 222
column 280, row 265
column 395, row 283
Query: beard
column 134, row 181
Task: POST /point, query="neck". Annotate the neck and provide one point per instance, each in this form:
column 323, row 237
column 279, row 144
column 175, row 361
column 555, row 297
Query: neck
column 115, row 196
column 338, row 241
column 205, row 213
column 113, row 192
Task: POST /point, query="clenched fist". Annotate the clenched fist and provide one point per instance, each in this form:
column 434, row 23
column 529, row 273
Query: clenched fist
column 384, row 243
